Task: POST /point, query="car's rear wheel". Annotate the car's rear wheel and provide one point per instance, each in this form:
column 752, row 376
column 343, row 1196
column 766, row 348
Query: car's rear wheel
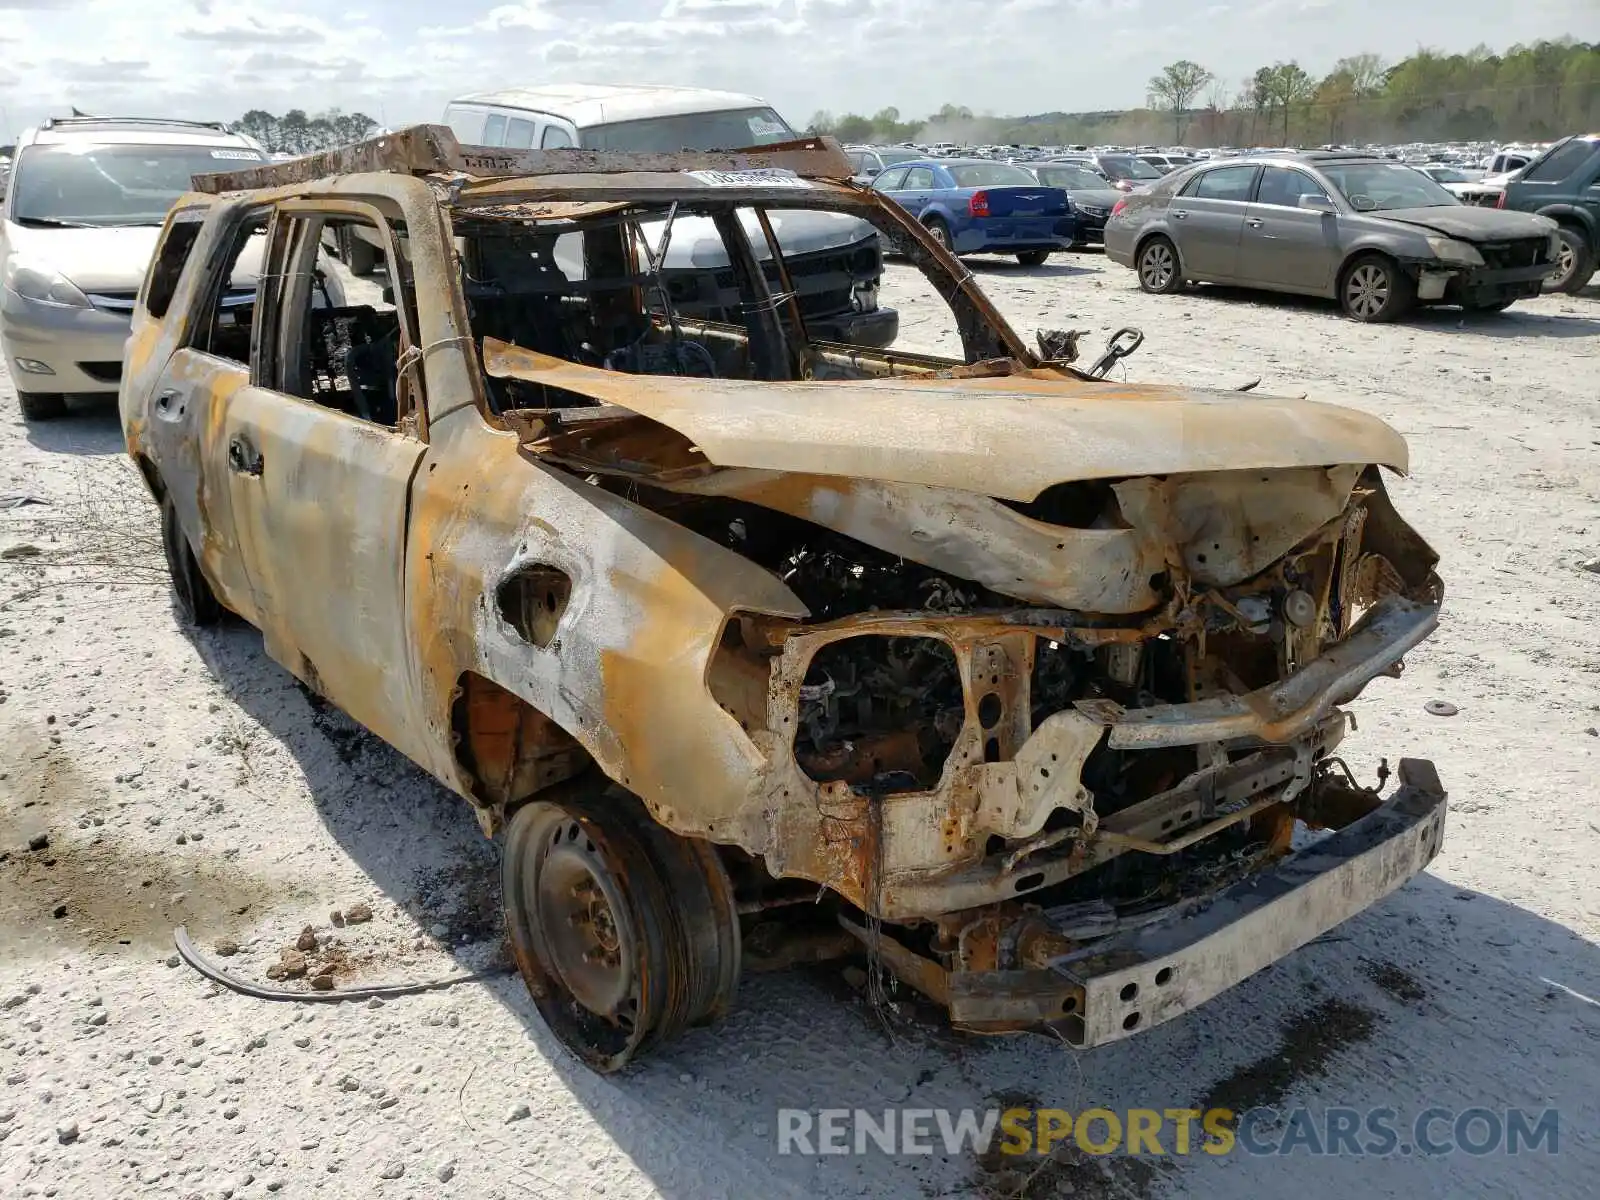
column 1159, row 272
column 1374, row 289
column 1033, row 258
column 625, row 933
column 1574, row 262
column 41, row 406
column 940, row 232
column 192, row 597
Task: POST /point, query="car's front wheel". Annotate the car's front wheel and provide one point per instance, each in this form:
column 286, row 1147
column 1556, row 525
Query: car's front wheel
column 625, row 933
column 1374, row 289
column 1158, row 268
column 1033, row 258
column 1574, row 262
column 41, row 406
column 192, row 597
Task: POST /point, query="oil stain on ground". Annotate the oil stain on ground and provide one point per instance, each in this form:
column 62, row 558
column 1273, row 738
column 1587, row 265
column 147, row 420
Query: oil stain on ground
column 1066, row 1172
column 1308, row 1044
column 1402, row 985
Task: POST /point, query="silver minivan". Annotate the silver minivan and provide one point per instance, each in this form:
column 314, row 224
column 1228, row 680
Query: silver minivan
column 840, row 265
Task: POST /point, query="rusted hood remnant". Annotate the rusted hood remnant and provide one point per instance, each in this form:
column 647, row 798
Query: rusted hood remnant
column 1010, row 436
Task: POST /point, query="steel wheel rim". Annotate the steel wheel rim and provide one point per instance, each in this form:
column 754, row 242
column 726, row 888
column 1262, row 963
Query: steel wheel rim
column 1157, row 266
column 1566, row 262
column 588, row 939
column 1367, row 290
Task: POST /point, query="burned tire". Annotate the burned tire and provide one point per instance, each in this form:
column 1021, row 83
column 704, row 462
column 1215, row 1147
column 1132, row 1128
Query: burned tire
column 42, row 406
column 192, row 598
column 1373, row 289
column 1033, row 258
column 1160, row 272
column 1575, row 262
column 625, row 933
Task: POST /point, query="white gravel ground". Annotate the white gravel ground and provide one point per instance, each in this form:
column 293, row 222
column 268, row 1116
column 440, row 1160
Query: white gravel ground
column 188, row 780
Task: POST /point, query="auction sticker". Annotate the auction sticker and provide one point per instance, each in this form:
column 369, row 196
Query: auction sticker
column 769, row 177
column 237, row 155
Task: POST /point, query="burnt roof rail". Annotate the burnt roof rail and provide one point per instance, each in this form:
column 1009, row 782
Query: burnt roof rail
column 434, row 150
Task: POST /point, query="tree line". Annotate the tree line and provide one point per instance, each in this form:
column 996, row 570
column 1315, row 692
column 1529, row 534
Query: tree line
column 1530, row 92
column 296, row 133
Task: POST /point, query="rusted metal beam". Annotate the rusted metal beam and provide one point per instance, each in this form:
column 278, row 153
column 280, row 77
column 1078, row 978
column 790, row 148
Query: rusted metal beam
column 434, row 150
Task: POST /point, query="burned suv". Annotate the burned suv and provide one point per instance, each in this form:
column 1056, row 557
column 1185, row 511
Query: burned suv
column 759, row 647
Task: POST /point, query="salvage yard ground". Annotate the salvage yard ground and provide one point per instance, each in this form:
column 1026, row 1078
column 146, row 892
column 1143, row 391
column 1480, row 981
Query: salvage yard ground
column 189, row 780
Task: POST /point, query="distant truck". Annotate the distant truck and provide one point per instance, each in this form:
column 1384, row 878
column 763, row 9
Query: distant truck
column 835, row 263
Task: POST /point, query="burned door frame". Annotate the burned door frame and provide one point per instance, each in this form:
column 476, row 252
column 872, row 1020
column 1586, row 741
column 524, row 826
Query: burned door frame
column 321, row 500
column 185, row 424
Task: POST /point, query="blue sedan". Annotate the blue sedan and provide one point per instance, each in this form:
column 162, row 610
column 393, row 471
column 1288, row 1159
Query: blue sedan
column 981, row 207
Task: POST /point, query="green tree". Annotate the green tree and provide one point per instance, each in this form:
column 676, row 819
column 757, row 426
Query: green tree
column 261, row 125
column 853, row 128
column 1290, row 86
column 1175, row 89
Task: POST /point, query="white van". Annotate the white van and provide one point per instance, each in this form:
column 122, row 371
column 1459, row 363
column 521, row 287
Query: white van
column 606, row 117
column 836, row 260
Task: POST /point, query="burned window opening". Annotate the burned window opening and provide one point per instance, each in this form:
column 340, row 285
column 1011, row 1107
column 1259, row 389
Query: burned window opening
column 589, row 288
column 880, row 713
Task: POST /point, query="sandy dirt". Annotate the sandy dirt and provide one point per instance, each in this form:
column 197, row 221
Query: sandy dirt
column 186, row 779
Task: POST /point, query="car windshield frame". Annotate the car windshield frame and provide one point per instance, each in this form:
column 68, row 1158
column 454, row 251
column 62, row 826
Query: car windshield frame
column 654, row 135
column 45, row 175
column 1129, row 167
column 1005, row 175
column 1353, row 182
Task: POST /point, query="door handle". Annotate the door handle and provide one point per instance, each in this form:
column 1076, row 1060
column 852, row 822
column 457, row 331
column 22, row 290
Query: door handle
column 1253, row 222
column 243, row 457
column 1180, row 214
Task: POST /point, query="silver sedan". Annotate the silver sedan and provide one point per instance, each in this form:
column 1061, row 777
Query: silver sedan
column 1378, row 236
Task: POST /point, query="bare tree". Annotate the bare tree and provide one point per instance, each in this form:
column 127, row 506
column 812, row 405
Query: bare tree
column 1175, row 88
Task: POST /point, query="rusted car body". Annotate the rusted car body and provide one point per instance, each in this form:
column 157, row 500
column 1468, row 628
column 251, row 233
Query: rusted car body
column 1020, row 679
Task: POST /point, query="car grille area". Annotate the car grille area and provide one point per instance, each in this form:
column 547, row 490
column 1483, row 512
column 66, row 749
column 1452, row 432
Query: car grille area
column 1521, row 252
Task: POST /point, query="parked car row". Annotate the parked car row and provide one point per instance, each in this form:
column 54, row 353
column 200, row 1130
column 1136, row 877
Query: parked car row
column 1377, row 235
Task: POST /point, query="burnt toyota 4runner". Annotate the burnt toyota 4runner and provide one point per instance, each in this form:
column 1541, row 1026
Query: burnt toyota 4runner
column 757, row 647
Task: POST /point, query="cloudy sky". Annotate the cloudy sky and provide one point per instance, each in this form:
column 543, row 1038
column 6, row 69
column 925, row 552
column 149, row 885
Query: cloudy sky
column 400, row 60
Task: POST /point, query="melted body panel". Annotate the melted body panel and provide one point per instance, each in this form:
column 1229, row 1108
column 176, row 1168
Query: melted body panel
column 1010, row 437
